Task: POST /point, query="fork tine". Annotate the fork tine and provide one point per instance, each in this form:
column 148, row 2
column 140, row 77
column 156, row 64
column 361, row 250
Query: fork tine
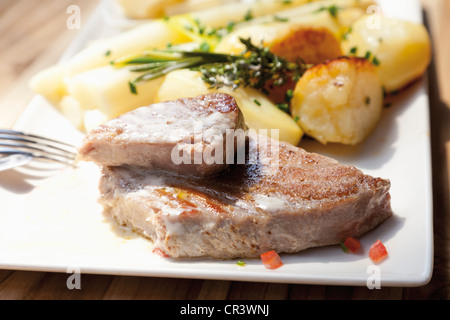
column 28, row 135
column 39, row 147
column 11, row 151
column 37, row 140
column 25, row 141
column 32, row 137
column 67, row 155
column 47, row 157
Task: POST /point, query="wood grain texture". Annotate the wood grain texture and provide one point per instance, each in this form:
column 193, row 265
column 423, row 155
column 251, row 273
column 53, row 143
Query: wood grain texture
column 33, row 35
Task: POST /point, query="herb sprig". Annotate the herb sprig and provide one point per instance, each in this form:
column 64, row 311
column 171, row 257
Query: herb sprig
column 255, row 67
column 157, row 63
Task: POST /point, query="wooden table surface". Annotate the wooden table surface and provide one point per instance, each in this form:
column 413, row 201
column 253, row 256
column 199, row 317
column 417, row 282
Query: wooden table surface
column 33, row 35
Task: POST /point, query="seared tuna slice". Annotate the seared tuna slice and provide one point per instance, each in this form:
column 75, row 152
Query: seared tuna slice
column 185, row 136
column 285, row 201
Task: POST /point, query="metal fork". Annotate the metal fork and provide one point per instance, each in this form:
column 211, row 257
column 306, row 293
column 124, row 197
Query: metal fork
column 19, row 148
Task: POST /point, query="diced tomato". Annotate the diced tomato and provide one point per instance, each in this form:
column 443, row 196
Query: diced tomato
column 352, row 244
column 378, row 252
column 161, row 253
column 271, row 260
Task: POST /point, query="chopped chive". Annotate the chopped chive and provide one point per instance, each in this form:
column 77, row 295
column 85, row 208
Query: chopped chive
column 240, row 263
column 289, row 95
column 367, row 55
column 333, row 10
column 188, row 28
column 353, row 50
column 205, row 46
column 344, row 247
column 296, row 118
column 375, row 61
column 280, row 19
column 283, row 107
column 132, row 87
column 200, row 27
column 257, row 102
column 346, row 34
column 248, row 16
column 230, row 26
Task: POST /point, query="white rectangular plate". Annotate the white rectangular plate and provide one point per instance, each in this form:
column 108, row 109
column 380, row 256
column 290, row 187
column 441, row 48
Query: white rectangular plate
column 50, row 220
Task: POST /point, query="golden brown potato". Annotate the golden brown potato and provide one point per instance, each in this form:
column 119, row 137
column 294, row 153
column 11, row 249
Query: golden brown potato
column 312, row 45
column 297, row 42
column 339, row 101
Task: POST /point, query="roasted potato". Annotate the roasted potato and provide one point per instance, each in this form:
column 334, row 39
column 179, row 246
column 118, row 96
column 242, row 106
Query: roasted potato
column 401, row 50
column 312, row 45
column 295, row 43
column 314, row 39
column 339, row 101
column 307, row 32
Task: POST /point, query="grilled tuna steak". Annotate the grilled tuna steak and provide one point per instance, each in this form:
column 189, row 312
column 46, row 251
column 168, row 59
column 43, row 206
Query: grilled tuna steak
column 287, row 202
column 186, row 136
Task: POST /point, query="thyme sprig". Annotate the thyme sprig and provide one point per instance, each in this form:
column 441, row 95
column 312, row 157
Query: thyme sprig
column 256, row 67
